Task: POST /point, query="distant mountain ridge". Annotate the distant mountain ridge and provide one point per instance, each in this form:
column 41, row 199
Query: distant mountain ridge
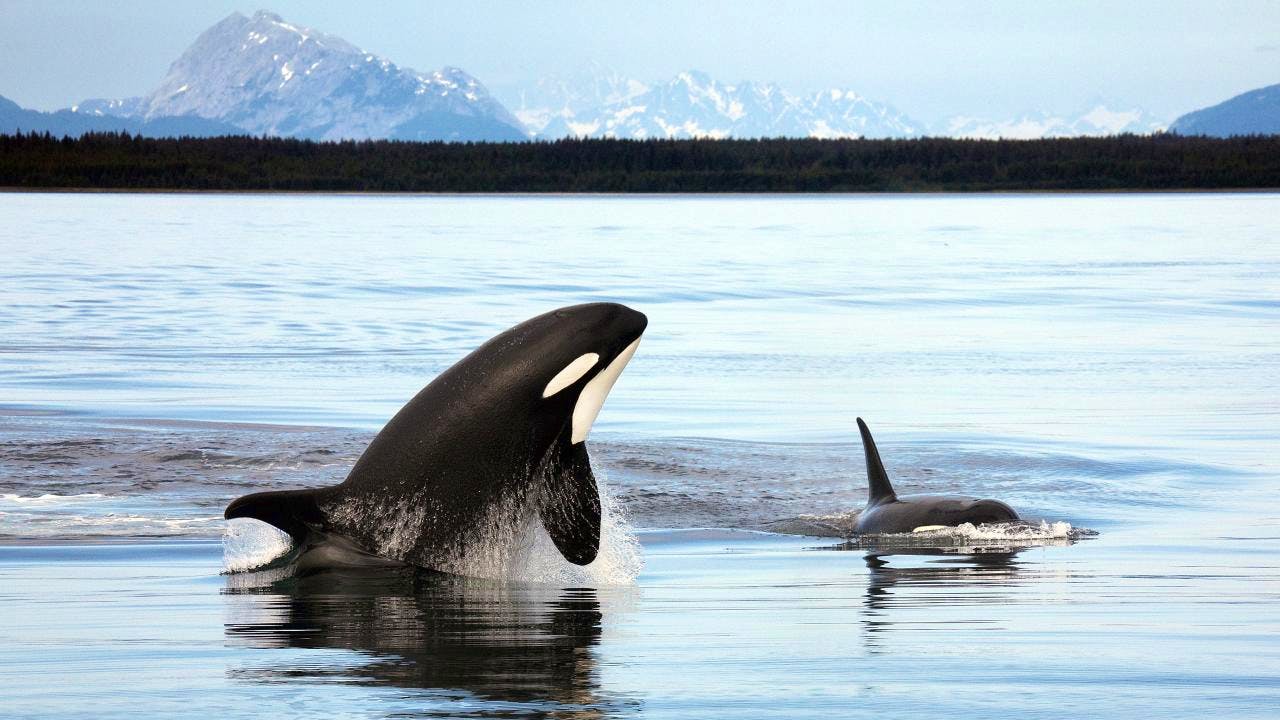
column 1098, row 121
column 693, row 104
column 1256, row 112
column 598, row 102
column 62, row 123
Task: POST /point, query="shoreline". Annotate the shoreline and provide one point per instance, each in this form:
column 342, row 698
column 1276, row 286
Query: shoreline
column 13, row 190
column 1120, row 163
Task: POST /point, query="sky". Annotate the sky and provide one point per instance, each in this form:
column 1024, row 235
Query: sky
column 931, row 60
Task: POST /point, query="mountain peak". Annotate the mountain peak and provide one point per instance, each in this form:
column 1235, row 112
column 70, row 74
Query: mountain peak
column 271, row 77
column 694, row 77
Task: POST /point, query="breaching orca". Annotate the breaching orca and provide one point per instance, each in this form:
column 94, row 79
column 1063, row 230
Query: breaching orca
column 887, row 513
column 500, row 434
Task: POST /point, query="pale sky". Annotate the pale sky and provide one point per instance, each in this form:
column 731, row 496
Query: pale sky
column 931, row 60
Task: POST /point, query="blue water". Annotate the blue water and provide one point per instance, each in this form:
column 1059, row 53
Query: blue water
column 1105, row 361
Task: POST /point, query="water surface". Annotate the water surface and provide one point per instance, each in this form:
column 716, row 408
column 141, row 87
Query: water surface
column 1105, row 361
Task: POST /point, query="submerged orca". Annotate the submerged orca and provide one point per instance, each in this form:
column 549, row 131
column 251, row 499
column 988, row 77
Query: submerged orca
column 887, row 513
column 496, row 436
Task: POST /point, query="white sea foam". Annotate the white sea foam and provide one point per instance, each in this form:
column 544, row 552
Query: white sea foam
column 62, row 516
column 249, row 544
column 49, row 499
column 1045, row 530
column 970, row 538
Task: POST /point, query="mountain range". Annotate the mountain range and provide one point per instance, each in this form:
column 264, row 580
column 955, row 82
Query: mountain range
column 599, row 102
column 1095, row 122
column 261, row 75
column 693, row 104
column 70, row 122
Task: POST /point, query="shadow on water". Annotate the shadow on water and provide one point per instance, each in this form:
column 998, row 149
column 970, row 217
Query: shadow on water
column 465, row 646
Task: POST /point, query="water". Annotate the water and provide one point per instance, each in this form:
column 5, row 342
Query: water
column 1104, row 361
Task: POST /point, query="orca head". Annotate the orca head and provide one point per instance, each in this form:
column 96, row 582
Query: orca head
column 581, row 352
column 558, row 369
column 989, row 511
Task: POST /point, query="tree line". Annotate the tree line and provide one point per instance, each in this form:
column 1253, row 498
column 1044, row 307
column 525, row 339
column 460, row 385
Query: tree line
column 121, row 161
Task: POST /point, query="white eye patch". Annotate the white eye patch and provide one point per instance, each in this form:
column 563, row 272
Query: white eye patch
column 570, row 374
column 594, row 394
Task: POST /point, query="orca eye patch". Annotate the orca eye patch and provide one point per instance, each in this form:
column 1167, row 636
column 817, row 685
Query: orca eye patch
column 570, row 374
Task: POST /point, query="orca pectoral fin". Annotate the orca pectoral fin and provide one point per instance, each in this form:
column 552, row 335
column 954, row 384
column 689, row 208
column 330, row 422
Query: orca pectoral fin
column 293, row 511
column 570, row 505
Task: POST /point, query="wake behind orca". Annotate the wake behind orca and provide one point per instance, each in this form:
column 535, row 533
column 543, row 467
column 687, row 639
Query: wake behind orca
column 496, row 437
column 887, row 513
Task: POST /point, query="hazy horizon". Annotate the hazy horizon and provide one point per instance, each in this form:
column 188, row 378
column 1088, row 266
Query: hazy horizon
column 930, row 60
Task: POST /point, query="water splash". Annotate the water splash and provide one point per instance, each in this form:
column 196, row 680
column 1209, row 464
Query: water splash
column 523, row 551
column 968, row 537
column 249, row 545
column 1045, row 530
column 619, row 562
column 496, row 549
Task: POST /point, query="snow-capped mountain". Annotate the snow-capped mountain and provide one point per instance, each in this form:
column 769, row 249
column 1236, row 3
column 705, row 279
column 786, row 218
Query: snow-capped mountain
column 692, row 104
column 1098, row 121
column 270, row 77
column 563, row 97
column 265, row 76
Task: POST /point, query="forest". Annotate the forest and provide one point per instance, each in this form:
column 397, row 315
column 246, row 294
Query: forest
column 120, row 161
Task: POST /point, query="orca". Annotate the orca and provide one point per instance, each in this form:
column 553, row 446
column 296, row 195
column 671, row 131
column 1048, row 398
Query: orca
column 495, row 438
column 886, row 513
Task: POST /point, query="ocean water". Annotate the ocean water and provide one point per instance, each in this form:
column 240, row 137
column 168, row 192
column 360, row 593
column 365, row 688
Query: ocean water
column 1107, row 363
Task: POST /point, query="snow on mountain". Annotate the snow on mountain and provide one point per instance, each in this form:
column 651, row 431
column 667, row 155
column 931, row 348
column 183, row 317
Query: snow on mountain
column 99, row 107
column 1098, row 121
column 561, row 98
column 270, row 77
column 265, row 76
column 692, row 104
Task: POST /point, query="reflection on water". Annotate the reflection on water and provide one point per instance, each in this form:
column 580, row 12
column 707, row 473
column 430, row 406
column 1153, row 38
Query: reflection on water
column 469, row 646
column 984, row 577
column 951, row 572
column 898, row 582
column 970, row 577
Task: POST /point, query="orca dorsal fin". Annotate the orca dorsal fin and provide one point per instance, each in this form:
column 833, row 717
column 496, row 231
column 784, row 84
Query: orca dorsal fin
column 570, row 504
column 878, row 488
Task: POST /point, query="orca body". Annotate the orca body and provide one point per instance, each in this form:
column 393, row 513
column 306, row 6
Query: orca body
column 887, row 513
column 499, row 435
